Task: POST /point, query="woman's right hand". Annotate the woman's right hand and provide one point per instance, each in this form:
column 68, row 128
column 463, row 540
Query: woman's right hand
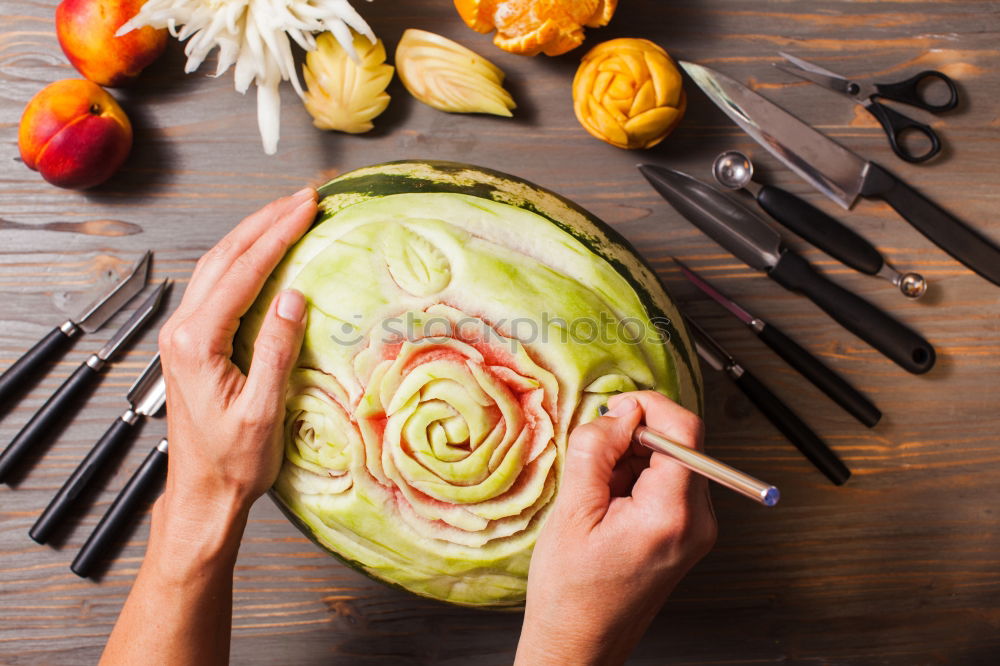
column 625, row 528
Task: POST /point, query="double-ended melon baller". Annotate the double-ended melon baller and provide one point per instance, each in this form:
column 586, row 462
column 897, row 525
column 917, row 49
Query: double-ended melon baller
column 734, row 170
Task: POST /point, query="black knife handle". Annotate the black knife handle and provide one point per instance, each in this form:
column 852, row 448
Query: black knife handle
column 792, row 427
column 948, row 232
column 16, row 378
column 121, row 511
column 822, row 377
column 857, row 315
column 98, row 456
column 820, row 229
column 35, row 431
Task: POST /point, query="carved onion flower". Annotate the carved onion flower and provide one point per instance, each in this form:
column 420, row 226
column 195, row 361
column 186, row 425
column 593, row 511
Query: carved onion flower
column 255, row 38
column 629, row 93
column 457, row 419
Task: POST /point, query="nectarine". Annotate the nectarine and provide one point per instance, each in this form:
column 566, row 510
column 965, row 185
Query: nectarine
column 74, row 133
column 86, row 31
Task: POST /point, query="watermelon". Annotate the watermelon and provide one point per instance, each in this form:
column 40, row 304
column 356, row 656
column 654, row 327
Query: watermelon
column 461, row 322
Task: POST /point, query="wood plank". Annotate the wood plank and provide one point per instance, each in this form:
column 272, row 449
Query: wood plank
column 899, row 566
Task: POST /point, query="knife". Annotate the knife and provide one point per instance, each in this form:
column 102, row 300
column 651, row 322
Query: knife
column 121, row 510
column 49, row 414
column 810, row 367
column 783, row 418
column 15, row 378
column 841, row 174
column 146, row 397
column 741, row 231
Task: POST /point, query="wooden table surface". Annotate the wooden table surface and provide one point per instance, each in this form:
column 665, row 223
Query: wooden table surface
column 899, row 566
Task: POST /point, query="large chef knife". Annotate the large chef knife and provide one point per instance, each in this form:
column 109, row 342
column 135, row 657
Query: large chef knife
column 741, row 231
column 841, row 174
column 76, row 386
column 15, row 378
column 777, row 412
column 146, row 397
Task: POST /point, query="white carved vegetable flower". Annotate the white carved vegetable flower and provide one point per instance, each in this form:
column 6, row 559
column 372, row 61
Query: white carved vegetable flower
column 254, row 37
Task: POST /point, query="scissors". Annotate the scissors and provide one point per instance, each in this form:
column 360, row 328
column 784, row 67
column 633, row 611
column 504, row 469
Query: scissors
column 894, row 123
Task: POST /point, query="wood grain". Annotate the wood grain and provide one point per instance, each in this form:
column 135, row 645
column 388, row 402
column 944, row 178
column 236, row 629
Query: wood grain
column 898, row 567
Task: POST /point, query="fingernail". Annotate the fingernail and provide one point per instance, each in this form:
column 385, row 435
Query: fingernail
column 291, row 305
column 625, row 407
column 305, row 194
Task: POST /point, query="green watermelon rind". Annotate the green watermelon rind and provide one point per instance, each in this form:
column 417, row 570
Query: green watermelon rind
column 422, row 176
column 435, row 176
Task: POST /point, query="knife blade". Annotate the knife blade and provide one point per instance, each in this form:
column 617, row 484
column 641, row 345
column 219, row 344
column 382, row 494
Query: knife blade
column 49, row 414
column 777, row 412
column 50, row 348
column 810, row 367
column 741, row 231
column 146, row 397
column 841, row 174
column 149, row 473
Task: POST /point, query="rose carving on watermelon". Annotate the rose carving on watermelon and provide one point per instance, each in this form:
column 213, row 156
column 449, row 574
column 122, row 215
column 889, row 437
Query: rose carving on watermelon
column 461, row 427
column 461, row 323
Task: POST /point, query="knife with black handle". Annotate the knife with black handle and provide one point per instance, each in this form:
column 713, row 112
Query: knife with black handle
column 16, row 378
column 146, row 397
column 810, row 367
column 748, row 237
column 783, row 418
column 118, row 515
column 901, row 344
column 40, row 427
column 841, row 174
column 791, row 426
column 49, row 414
column 832, row 384
column 941, row 227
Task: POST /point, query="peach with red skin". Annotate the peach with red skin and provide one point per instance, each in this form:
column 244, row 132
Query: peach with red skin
column 74, row 133
column 86, row 31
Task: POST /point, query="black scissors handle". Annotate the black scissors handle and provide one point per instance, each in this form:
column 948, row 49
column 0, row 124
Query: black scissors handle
column 896, row 126
column 910, row 91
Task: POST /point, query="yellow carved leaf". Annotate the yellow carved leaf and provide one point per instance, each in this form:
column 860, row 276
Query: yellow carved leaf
column 342, row 94
column 450, row 77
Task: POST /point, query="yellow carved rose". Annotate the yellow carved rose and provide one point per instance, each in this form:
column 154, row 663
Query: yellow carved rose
column 629, row 93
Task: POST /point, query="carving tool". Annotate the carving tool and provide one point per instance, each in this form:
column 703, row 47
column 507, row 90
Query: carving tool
column 810, row 367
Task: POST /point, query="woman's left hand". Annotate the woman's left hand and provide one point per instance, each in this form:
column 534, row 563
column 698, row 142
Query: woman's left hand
column 224, row 427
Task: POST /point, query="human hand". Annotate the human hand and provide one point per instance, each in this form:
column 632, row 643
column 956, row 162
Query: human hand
column 224, row 427
column 625, row 528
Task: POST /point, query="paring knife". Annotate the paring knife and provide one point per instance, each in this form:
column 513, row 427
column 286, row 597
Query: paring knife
column 741, row 231
column 841, row 174
column 107, row 532
column 810, row 367
column 40, row 425
column 50, row 348
column 783, row 418
column 146, row 397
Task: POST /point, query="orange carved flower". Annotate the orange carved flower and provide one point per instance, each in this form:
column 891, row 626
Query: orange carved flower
column 629, row 93
column 530, row 27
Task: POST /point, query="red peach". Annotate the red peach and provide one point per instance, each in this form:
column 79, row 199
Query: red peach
column 86, row 31
column 74, row 133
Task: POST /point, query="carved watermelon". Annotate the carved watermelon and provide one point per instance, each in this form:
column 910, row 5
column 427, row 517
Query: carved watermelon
column 461, row 323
